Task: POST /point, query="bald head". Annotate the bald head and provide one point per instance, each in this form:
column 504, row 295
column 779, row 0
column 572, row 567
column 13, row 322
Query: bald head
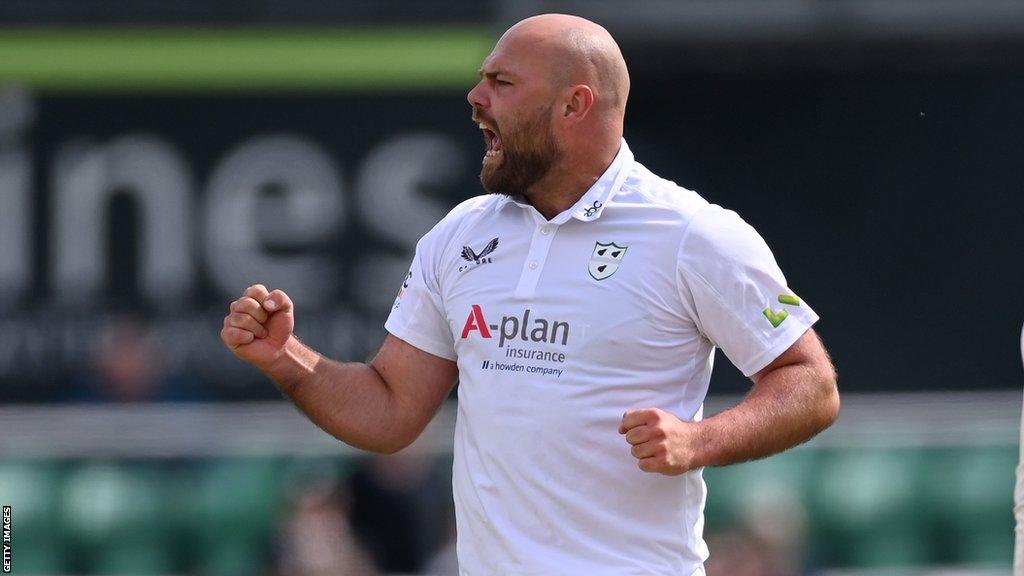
column 551, row 102
column 576, row 51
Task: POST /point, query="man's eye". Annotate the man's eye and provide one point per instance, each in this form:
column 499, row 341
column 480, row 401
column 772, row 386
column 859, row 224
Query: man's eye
column 504, row 82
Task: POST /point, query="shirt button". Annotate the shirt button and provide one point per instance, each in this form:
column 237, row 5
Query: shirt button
column 533, row 265
column 545, row 230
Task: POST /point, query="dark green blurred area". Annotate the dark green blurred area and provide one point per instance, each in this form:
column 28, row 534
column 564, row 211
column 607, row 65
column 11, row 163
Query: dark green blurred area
column 869, row 508
column 142, row 517
column 856, row 508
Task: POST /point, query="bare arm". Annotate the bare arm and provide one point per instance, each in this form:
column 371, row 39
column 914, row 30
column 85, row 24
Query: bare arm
column 382, row 406
column 794, row 398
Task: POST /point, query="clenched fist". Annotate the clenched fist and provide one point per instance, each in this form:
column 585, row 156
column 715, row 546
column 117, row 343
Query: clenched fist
column 661, row 442
column 258, row 325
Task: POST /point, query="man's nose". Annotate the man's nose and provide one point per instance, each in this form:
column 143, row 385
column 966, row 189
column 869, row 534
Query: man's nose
column 477, row 97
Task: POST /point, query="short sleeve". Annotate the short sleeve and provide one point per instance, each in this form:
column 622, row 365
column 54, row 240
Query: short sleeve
column 735, row 292
column 417, row 315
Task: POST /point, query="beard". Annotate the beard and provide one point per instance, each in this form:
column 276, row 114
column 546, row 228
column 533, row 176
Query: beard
column 528, row 152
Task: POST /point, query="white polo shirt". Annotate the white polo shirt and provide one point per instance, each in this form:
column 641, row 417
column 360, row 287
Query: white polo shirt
column 558, row 328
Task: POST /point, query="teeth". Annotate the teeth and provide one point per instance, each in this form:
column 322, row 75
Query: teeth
column 483, row 126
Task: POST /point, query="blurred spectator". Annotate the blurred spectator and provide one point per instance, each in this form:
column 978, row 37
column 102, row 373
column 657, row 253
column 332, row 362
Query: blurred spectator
column 402, row 504
column 445, row 562
column 128, row 367
column 316, row 538
column 736, row 552
column 769, row 538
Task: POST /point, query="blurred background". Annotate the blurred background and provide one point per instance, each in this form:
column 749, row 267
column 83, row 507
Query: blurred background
column 157, row 157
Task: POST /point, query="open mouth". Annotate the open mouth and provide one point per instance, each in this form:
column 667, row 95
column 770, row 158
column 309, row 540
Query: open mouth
column 492, row 143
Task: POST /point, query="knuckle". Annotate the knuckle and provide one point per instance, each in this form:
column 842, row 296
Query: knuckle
column 240, row 320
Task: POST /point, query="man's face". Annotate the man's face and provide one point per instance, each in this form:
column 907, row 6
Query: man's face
column 513, row 104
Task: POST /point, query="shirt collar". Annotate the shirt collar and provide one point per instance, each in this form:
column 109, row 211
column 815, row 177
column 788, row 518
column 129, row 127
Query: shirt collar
column 592, row 203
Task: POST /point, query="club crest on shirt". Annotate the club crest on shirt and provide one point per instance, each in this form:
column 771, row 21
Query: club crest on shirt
column 474, row 259
column 605, row 260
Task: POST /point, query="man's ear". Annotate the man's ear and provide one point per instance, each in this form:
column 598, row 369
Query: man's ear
column 578, row 102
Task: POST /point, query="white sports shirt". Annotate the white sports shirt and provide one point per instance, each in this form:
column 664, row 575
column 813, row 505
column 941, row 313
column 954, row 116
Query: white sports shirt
column 561, row 326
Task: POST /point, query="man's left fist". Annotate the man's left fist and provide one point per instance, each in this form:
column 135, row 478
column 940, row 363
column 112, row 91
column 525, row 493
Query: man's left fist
column 661, row 442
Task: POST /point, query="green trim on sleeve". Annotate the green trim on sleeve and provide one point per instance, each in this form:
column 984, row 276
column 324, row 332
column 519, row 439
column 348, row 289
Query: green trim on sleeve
column 776, row 318
column 788, row 299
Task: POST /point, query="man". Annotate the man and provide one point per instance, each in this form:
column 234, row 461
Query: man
column 579, row 305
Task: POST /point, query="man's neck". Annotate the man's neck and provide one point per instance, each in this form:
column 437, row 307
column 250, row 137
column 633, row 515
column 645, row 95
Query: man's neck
column 565, row 184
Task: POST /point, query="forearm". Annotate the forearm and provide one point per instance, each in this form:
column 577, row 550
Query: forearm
column 350, row 401
column 788, row 406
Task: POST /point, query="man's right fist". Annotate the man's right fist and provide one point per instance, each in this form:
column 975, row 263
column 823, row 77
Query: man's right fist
column 258, row 325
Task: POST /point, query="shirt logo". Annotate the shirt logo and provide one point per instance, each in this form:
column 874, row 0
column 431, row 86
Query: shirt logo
column 401, row 291
column 777, row 317
column 526, row 345
column 511, row 328
column 605, row 260
column 470, row 255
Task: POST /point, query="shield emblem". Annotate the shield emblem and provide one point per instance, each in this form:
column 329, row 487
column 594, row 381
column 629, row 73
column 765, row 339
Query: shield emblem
column 605, row 260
